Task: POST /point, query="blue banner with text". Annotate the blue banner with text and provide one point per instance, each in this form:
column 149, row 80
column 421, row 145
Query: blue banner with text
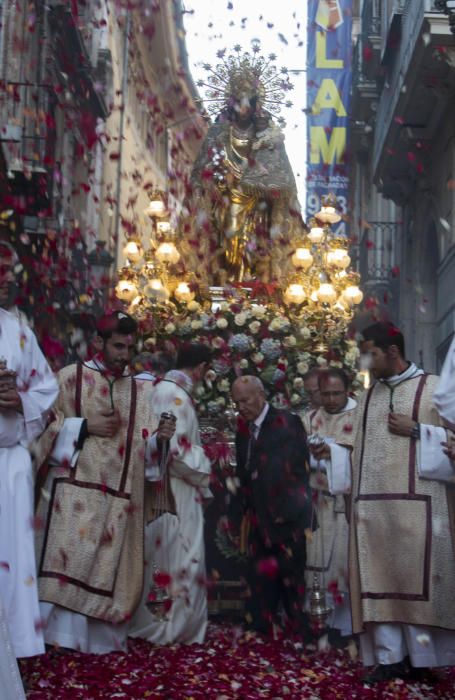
column 328, row 90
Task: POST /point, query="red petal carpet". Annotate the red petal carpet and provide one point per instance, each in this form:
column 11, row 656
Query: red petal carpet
column 231, row 664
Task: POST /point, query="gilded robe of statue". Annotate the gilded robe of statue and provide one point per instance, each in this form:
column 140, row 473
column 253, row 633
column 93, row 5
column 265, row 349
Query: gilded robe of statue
column 401, row 563
column 90, row 545
column 244, row 202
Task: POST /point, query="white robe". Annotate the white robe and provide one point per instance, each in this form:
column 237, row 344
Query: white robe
column 175, row 544
column 10, row 680
column 327, row 552
column 38, row 389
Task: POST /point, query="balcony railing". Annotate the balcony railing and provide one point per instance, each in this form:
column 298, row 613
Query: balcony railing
column 26, row 112
column 411, row 27
column 379, row 252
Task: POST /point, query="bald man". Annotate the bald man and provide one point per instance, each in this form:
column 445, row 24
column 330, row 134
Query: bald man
column 272, row 467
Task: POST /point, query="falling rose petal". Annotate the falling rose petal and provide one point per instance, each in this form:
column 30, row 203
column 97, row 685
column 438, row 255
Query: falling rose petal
column 162, row 579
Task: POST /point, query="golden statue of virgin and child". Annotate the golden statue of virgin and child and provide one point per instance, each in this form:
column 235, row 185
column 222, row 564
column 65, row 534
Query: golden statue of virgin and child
column 242, row 212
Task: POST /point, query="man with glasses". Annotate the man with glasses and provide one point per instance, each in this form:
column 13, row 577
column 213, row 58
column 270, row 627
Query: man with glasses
column 328, row 550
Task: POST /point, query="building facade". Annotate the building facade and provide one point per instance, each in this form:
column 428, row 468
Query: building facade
column 96, row 107
column 402, row 166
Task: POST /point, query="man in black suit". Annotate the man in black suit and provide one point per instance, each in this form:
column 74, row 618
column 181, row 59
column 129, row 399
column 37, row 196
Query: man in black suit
column 272, row 467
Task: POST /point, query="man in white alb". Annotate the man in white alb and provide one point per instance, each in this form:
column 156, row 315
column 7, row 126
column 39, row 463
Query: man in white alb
column 401, row 563
column 27, row 391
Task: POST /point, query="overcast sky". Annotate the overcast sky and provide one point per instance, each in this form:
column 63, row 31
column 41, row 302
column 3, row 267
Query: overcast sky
column 281, row 28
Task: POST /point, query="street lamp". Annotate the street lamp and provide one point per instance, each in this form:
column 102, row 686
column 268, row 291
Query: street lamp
column 100, row 261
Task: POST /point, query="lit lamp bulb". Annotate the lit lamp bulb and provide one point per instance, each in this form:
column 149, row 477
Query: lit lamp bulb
column 156, row 206
column 183, row 292
column 338, row 258
column 155, row 289
column 126, row 290
column 316, row 233
column 133, row 251
column 294, row 294
column 328, row 213
column 352, row 295
column 302, row 258
column 326, row 293
column 167, row 253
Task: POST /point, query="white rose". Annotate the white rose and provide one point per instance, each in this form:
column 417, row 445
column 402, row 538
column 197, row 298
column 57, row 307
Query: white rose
column 195, row 325
column 254, row 326
column 336, row 363
column 289, row 341
column 223, row 385
column 305, row 332
column 259, row 311
column 295, row 399
column 257, row 357
column 224, row 306
column 220, row 401
column 322, row 362
column 243, row 363
column 240, row 319
column 169, row 327
column 221, row 323
column 298, row 383
column 210, row 375
column 302, row 367
column 193, row 306
column 199, row 391
column 275, row 325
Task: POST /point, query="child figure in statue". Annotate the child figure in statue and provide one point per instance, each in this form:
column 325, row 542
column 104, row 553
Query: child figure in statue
column 244, row 204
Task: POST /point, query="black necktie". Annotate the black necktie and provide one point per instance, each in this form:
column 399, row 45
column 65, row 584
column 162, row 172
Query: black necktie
column 252, row 428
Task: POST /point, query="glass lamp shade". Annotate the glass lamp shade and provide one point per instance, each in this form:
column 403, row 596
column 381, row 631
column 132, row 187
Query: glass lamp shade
column 133, row 251
column 167, row 253
column 316, row 233
column 156, row 207
column 183, row 292
column 155, row 290
column 352, row 295
column 338, row 258
column 302, row 258
column 326, row 293
column 126, row 290
column 328, row 215
column 294, row 294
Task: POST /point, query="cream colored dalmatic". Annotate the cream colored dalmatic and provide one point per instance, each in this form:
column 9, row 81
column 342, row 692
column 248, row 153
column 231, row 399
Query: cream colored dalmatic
column 90, row 546
column 401, row 563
